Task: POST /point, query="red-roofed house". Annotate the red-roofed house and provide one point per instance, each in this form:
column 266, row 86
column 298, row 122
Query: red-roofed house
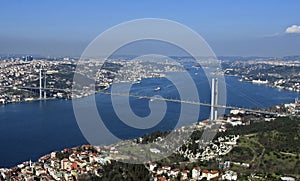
column 174, row 172
column 205, row 173
column 184, row 174
column 213, row 174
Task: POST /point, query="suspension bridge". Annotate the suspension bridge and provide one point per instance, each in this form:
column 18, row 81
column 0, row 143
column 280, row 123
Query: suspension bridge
column 213, row 105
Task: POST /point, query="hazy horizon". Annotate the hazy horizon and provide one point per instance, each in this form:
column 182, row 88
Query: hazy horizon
column 231, row 28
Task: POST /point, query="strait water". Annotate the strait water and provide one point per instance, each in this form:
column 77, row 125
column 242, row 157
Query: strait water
column 32, row 129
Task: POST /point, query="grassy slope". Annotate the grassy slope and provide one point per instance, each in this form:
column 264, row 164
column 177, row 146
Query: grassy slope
column 271, row 148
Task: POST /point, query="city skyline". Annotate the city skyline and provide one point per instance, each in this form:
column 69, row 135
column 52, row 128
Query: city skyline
column 56, row 28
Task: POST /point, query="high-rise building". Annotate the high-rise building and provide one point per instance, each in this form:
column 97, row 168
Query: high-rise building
column 27, row 58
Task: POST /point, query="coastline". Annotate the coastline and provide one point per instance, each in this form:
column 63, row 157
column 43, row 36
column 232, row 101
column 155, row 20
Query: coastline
column 100, row 156
column 239, row 77
column 192, row 127
column 68, row 101
column 86, row 94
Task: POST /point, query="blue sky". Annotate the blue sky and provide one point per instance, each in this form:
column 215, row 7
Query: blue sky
column 231, row 27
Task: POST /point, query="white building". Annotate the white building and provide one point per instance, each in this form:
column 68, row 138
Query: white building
column 229, row 175
column 196, row 172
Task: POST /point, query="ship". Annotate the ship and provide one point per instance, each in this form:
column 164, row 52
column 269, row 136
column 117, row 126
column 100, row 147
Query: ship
column 260, row 81
column 157, row 88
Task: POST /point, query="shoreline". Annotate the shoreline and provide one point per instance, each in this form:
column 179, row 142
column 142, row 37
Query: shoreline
column 87, row 94
column 96, row 157
column 238, row 77
column 192, row 126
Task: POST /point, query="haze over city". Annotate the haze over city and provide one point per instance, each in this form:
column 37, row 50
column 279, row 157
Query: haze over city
column 65, row 28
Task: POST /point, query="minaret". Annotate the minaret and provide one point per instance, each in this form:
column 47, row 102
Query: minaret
column 30, row 165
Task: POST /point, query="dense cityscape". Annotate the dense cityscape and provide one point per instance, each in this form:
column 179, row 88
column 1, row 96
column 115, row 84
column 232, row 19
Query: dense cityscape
column 21, row 79
column 27, row 79
column 277, row 73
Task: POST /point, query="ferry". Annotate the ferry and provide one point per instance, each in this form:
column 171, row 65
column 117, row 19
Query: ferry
column 157, row 88
column 260, row 81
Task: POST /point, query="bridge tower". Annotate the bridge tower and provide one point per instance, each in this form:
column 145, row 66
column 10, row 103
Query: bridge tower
column 41, row 89
column 214, row 100
column 40, row 83
column 45, row 84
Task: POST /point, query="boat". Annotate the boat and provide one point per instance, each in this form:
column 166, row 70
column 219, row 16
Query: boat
column 157, row 88
column 260, row 81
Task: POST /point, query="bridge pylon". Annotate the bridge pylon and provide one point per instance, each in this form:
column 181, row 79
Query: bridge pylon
column 214, row 99
column 42, row 88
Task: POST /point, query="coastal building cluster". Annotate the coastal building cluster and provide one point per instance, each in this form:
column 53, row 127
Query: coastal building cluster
column 24, row 79
column 134, row 71
column 117, row 71
column 69, row 164
column 281, row 74
column 292, row 108
column 20, row 79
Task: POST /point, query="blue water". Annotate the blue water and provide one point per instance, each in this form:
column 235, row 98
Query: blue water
column 30, row 130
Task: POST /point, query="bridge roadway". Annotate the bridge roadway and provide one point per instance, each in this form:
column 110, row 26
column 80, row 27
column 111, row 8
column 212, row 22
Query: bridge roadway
column 188, row 102
column 158, row 98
